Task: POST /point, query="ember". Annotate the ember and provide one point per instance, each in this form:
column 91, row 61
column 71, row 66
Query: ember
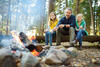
column 35, row 53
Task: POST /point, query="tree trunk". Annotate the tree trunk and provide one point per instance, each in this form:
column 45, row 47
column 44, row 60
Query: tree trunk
column 7, row 26
column 92, row 27
column 51, row 5
column 42, row 23
column 8, row 17
column 2, row 24
column 77, row 6
column 66, row 3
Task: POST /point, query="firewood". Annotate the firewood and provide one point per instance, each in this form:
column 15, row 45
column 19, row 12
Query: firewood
column 28, row 44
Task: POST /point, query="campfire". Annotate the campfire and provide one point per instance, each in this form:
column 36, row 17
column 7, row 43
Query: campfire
column 26, row 53
column 26, row 42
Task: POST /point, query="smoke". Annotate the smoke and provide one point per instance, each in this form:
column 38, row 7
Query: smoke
column 27, row 13
column 8, row 41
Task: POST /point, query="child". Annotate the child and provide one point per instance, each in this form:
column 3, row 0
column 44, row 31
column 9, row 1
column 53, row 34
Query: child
column 80, row 29
column 51, row 28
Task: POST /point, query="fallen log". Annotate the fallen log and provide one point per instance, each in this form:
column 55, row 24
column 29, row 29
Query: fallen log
column 66, row 39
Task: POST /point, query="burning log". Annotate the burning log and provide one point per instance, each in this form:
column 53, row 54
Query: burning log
column 29, row 45
column 24, row 39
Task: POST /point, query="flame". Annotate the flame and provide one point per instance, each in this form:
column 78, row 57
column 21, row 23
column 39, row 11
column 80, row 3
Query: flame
column 35, row 53
column 16, row 37
column 31, row 37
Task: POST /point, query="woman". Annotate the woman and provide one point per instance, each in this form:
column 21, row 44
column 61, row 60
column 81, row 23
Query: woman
column 80, row 29
column 51, row 28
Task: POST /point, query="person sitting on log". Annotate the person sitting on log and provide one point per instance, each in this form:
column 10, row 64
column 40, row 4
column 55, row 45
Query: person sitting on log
column 80, row 30
column 50, row 31
column 66, row 26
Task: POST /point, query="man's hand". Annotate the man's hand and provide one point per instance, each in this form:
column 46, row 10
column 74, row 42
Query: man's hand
column 67, row 25
column 61, row 26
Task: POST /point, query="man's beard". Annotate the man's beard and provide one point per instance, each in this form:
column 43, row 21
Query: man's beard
column 67, row 16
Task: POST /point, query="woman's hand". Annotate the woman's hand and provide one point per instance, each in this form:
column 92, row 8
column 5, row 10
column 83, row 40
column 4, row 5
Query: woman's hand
column 51, row 31
column 80, row 27
column 45, row 30
column 55, row 28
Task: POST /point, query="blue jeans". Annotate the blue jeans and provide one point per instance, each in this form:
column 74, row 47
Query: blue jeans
column 48, row 36
column 79, row 36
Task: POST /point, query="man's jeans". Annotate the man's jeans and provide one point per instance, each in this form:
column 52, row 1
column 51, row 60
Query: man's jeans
column 68, row 31
column 79, row 36
column 48, row 37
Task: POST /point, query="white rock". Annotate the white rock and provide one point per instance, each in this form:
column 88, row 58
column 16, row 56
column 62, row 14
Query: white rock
column 72, row 49
column 5, row 52
column 28, row 60
column 55, row 56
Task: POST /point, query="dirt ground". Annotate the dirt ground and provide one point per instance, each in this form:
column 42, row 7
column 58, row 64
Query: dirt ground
column 87, row 57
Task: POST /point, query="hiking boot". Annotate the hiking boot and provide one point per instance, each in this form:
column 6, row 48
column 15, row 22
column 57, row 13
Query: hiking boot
column 75, row 42
column 80, row 47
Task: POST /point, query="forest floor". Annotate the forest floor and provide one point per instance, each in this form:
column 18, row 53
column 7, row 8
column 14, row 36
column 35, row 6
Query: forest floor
column 87, row 57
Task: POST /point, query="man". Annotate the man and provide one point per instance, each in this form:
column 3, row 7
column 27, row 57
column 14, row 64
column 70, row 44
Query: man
column 66, row 26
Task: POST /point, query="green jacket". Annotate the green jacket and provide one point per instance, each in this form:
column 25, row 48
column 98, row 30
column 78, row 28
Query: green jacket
column 83, row 24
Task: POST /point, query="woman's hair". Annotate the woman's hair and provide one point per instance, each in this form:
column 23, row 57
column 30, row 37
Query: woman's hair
column 79, row 15
column 54, row 14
